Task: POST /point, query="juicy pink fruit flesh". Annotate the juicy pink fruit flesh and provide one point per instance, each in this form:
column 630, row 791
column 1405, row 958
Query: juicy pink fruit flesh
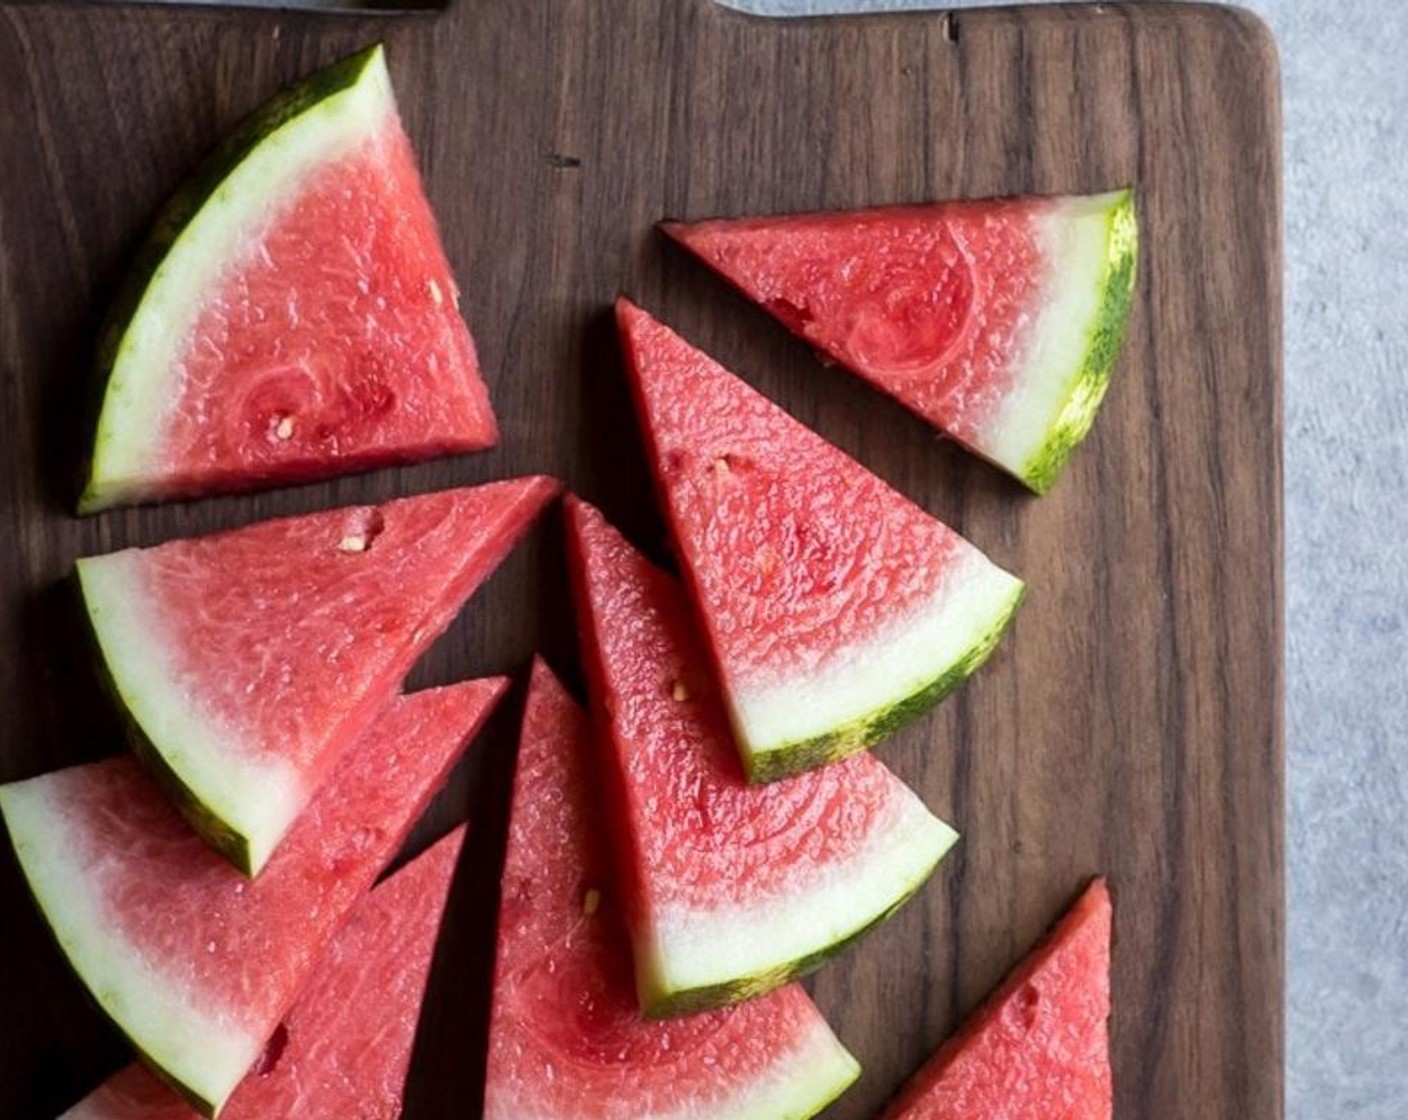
column 344, row 1048
column 245, row 949
column 793, row 548
column 567, row 1039
column 335, row 344
column 933, row 304
column 699, row 836
column 1038, row 1049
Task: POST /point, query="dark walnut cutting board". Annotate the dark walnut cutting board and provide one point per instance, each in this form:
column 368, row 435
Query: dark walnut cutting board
column 1131, row 722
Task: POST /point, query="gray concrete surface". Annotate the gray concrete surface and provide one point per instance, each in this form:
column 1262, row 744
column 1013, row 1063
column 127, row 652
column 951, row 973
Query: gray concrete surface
column 1345, row 73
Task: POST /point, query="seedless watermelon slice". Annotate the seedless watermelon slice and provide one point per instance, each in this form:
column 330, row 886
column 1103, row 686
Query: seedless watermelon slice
column 836, row 608
column 1039, row 1048
column 344, row 1048
column 292, row 315
column 196, row 964
column 567, row 1041
column 729, row 889
column 249, row 660
column 998, row 321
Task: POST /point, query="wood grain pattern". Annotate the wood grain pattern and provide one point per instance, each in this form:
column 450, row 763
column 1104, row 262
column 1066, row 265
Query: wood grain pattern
column 1130, row 724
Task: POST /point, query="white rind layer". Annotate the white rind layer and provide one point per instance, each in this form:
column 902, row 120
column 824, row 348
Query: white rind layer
column 689, row 950
column 253, row 793
column 204, row 1052
column 799, row 1085
column 140, row 395
column 1075, row 242
column 866, row 679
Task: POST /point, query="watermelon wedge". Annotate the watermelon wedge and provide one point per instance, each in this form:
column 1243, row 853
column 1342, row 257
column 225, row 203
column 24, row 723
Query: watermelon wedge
column 292, row 315
column 567, row 1041
column 249, row 660
column 997, row 321
column 345, row 1047
column 1039, row 1048
column 729, row 889
column 196, row 964
column 837, row 609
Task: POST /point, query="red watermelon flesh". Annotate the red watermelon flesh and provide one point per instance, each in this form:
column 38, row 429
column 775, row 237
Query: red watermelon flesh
column 837, row 609
column 1038, row 1049
column 998, row 321
column 567, row 1041
column 295, row 316
column 344, row 1048
column 195, row 963
column 249, row 660
column 729, row 889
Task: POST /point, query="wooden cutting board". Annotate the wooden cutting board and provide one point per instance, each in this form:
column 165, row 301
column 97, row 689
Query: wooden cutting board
column 1131, row 723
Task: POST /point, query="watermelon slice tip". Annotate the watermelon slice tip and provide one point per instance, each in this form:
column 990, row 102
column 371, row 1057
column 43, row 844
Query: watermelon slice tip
column 1038, row 1047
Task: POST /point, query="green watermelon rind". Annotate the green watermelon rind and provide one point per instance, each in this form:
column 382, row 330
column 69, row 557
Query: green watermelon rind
column 870, row 689
column 871, row 728
column 812, row 1079
column 118, row 980
column 799, row 1085
column 693, row 1001
column 1104, row 336
column 226, row 840
column 910, row 862
column 344, row 99
column 193, row 768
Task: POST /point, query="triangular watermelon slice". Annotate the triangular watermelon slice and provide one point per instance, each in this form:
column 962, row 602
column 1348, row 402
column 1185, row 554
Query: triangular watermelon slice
column 249, row 660
column 730, row 889
column 567, row 1041
column 344, row 1048
column 195, row 963
column 292, row 315
column 837, row 609
column 998, row 321
column 1039, row 1048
